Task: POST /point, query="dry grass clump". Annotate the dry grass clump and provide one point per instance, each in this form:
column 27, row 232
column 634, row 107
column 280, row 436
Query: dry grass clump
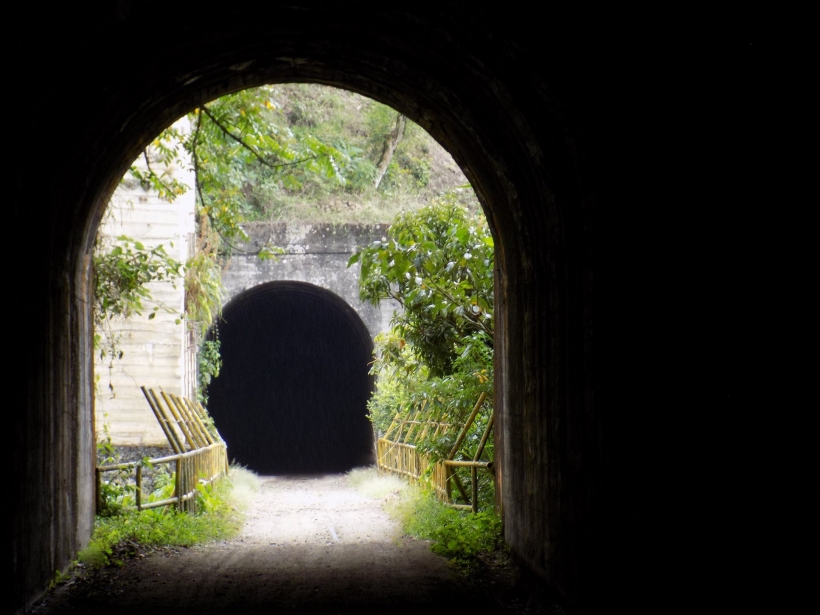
column 373, row 484
column 244, row 485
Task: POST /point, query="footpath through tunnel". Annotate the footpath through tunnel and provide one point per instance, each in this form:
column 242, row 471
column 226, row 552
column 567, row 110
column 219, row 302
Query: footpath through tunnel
column 291, row 396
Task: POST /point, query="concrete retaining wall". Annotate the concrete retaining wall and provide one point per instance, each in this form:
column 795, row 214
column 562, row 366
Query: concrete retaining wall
column 153, row 350
column 314, row 253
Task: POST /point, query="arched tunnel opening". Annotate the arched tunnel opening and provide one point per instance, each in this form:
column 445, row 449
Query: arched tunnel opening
column 291, row 397
column 576, row 139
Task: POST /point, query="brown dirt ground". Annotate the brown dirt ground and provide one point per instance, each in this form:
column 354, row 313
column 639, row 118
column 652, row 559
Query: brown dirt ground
column 310, row 544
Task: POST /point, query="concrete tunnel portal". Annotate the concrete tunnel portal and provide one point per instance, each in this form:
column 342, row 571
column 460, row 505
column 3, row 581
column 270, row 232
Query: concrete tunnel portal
column 291, row 397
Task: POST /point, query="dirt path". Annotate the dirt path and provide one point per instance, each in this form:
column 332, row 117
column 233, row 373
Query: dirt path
column 310, row 545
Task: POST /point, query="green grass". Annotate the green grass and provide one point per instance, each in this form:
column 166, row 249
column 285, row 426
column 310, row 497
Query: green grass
column 460, row 535
column 220, row 516
column 420, row 170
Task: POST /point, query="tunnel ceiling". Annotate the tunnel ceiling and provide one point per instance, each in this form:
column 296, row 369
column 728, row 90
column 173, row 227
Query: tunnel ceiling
column 291, row 396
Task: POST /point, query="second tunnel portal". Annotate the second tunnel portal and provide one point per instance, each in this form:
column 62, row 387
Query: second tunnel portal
column 291, row 397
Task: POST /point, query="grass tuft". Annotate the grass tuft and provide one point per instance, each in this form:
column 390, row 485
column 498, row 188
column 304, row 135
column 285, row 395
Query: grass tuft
column 463, row 536
column 375, row 485
column 121, row 536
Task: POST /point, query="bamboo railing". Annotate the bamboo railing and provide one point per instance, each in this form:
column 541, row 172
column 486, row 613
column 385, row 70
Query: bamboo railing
column 200, row 454
column 399, row 456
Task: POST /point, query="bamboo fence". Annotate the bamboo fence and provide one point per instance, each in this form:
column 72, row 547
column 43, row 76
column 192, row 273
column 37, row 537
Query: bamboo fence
column 396, row 454
column 200, row 454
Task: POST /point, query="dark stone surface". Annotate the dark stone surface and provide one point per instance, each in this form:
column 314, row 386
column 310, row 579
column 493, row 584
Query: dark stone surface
column 314, row 253
column 598, row 147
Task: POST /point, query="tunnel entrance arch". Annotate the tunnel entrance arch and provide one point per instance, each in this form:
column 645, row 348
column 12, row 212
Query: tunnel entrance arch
column 524, row 116
column 493, row 163
column 292, row 393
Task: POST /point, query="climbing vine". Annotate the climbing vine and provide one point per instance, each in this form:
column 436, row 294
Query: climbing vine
column 122, row 273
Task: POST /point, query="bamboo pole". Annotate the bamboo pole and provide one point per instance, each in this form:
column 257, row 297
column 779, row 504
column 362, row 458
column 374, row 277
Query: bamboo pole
column 474, row 481
column 426, row 416
column 452, row 463
column 185, row 412
column 180, row 423
column 178, row 484
column 413, row 422
column 163, row 422
column 188, row 484
column 168, row 417
column 202, row 414
column 138, row 493
column 467, row 425
column 157, row 504
column 484, row 438
column 200, row 423
column 98, row 488
column 193, row 481
column 460, row 486
column 392, row 426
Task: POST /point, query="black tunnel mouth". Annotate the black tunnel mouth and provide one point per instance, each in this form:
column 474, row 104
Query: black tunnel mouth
column 291, row 397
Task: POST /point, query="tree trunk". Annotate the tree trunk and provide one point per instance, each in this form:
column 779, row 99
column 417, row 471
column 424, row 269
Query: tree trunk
column 390, row 145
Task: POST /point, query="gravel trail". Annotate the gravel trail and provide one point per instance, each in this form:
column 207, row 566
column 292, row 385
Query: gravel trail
column 311, row 544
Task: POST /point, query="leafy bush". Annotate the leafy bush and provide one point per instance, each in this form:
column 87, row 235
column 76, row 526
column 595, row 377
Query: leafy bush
column 437, row 359
column 122, row 272
column 457, row 534
column 437, row 263
column 220, row 516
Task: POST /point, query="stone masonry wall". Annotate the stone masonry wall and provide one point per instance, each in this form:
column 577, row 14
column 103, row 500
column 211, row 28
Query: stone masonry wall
column 314, row 253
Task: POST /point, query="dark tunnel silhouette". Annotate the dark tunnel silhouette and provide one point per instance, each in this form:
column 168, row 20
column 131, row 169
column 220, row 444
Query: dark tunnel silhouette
column 292, row 393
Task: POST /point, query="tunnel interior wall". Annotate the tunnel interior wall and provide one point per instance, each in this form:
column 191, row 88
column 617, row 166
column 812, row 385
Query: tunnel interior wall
column 574, row 135
column 291, row 396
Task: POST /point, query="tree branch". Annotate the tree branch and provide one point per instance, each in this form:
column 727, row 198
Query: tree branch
column 391, row 142
column 238, row 249
column 256, row 154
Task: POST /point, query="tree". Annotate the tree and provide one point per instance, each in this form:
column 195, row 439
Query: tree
column 240, row 142
column 391, row 142
column 437, row 263
column 248, row 150
column 235, row 143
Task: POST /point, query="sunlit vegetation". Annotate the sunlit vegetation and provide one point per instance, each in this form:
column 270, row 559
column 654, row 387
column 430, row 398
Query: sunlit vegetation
column 302, row 153
column 288, row 153
column 437, row 359
column 460, row 535
column 129, row 532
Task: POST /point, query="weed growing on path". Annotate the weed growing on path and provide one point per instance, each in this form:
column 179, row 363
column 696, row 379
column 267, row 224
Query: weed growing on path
column 373, row 484
column 118, row 537
column 463, row 536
